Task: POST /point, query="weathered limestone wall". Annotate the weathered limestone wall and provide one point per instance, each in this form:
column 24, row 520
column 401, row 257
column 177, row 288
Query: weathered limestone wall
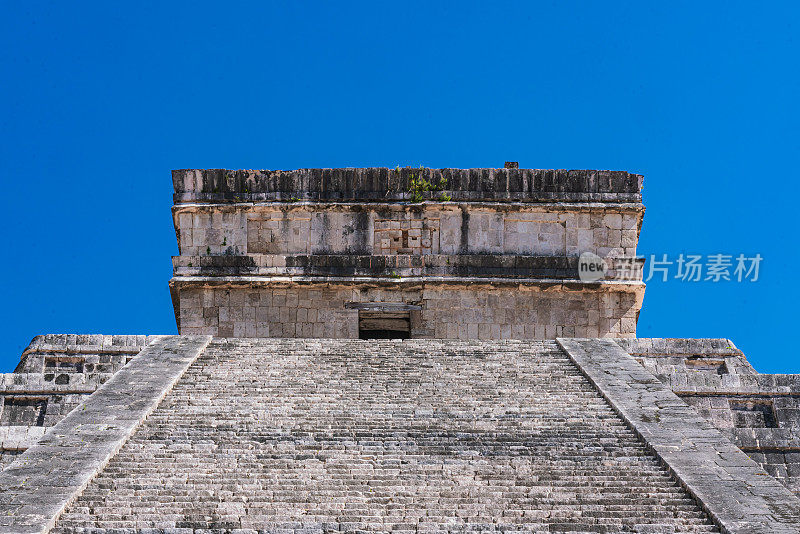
column 701, row 457
column 759, row 413
column 416, row 229
column 388, row 185
column 475, row 311
column 354, row 267
column 42, row 482
column 485, row 253
column 55, row 374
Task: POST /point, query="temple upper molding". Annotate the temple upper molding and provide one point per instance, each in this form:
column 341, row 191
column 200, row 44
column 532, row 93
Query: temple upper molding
column 384, row 184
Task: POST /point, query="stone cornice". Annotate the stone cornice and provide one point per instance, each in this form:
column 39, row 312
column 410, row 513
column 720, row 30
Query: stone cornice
column 384, row 185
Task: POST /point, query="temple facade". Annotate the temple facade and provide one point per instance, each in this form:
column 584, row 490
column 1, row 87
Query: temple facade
column 407, row 252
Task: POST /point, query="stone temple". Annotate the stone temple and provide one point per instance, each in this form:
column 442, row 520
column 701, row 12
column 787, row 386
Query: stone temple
column 399, row 350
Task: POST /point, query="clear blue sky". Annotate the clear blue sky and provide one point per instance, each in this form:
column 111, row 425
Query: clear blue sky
column 98, row 101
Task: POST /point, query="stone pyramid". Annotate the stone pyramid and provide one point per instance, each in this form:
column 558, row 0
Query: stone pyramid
column 375, row 350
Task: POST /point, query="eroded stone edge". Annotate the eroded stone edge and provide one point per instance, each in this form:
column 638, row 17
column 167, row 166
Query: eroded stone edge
column 736, row 493
column 37, row 487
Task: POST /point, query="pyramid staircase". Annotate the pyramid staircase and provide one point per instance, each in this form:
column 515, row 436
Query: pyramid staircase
column 402, row 436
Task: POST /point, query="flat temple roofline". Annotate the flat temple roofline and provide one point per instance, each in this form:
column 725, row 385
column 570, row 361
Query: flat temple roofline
column 406, row 184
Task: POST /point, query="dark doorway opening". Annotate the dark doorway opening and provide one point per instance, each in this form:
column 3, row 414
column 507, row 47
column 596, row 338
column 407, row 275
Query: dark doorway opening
column 383, row 325
column 382, row 334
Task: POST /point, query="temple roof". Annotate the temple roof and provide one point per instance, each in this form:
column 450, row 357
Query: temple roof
column 381, row 184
